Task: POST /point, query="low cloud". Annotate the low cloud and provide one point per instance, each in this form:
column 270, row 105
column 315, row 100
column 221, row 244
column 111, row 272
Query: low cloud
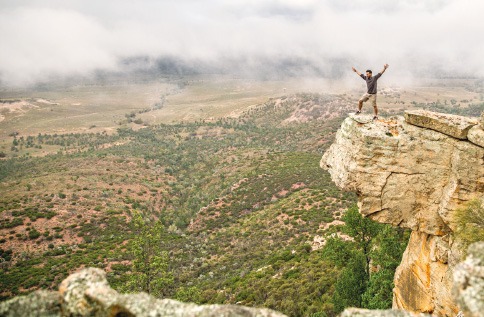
column 41, row 39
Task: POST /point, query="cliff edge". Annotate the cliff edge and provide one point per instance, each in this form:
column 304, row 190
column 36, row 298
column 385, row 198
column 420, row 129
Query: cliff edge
column 414, row 172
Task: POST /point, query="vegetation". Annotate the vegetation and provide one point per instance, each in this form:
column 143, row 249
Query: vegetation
column 368, row 257
column 150, row 261
column 216, row 211
column 470, row 223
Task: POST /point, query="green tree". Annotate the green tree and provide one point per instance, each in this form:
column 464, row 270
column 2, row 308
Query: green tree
column 371, row 245
column 386, row 255
column 362, row 230
column 351, row 284
column 150, row 272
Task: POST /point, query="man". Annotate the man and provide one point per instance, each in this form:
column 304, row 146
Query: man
column 371, row 92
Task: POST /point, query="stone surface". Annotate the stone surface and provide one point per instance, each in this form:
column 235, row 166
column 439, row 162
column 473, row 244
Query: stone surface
column 414, row 178
column 476, row 135
column 423, row 277
column 405, row 175
column 453, row 125
column 38, row 303
column 87, row 293
column 469, row 282
column 358, row 312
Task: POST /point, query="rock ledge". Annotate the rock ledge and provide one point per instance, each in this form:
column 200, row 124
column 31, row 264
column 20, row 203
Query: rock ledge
column 453, row 125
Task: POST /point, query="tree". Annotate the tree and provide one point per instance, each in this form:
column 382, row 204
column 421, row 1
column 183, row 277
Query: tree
column 362, row 230
column 150, row 262
column 351, row 284
column 372, row 243
column 386, row 255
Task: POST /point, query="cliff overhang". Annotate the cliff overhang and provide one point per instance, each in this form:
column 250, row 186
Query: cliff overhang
column 414, row 172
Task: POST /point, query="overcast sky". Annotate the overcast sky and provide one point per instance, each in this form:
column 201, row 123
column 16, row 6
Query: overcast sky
column 49, row 37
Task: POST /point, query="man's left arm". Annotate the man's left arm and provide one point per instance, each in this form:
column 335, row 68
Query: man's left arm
column 384, row 68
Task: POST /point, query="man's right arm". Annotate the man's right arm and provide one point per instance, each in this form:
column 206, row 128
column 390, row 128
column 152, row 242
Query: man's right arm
column 354, row 69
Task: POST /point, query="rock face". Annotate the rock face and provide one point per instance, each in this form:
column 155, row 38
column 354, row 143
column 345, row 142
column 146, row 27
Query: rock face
column 469, row 281
column 87, row 293
column 413, row 177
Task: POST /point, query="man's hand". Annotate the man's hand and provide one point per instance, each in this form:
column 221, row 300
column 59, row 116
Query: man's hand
column 354, row 69
column 384, row 68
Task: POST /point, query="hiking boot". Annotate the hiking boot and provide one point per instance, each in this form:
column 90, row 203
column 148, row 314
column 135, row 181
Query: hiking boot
column 375, row 118
column 357, row 112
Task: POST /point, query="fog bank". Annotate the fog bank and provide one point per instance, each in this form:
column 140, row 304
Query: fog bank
column 42, row 39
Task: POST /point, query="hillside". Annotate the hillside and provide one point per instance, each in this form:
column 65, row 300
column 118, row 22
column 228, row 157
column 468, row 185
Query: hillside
column 242, row 201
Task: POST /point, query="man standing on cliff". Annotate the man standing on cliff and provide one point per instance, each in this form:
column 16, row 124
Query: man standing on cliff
column 371, row 92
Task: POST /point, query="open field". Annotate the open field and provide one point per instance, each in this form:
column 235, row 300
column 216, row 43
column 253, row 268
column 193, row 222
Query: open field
column 103, row 108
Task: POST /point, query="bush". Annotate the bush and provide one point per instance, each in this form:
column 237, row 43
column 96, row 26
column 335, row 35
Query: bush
column 469, row 221
column 34, row 234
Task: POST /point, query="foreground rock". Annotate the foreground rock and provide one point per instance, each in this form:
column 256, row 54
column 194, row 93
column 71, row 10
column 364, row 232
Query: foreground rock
column 413, row 177
column 87, row 293
column 469, row 281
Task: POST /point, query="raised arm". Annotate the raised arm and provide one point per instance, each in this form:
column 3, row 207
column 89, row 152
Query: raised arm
column 354, row 69
column 384, row 68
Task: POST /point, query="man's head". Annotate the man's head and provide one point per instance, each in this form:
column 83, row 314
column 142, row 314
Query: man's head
column 368, row 73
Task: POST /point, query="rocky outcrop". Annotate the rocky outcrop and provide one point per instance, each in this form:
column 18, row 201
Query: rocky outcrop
column 469, row 281
column 414, row 177
column 87, row 293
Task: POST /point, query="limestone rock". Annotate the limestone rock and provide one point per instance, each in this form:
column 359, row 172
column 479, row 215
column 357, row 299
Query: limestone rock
column 413, row 178
column 453, row 125
column 405, row 175
column 482, row 120
column 469, row 282
column 476, row 135
column 73, row 290
column 87, row 293
column 39, row 303
column 423, row 283
column 358, row 312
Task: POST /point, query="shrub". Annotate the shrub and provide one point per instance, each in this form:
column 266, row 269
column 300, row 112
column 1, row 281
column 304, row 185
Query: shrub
column 34, row 234
column 469, row 222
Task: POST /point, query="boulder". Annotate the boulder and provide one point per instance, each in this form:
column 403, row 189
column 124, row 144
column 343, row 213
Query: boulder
column 453, row 125
column 87, row 294
column 39, row 303
column 476, row 135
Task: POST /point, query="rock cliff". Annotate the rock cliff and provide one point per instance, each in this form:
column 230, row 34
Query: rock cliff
column 414, row 172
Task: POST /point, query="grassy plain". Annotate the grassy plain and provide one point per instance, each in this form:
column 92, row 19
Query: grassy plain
column 103, row 107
